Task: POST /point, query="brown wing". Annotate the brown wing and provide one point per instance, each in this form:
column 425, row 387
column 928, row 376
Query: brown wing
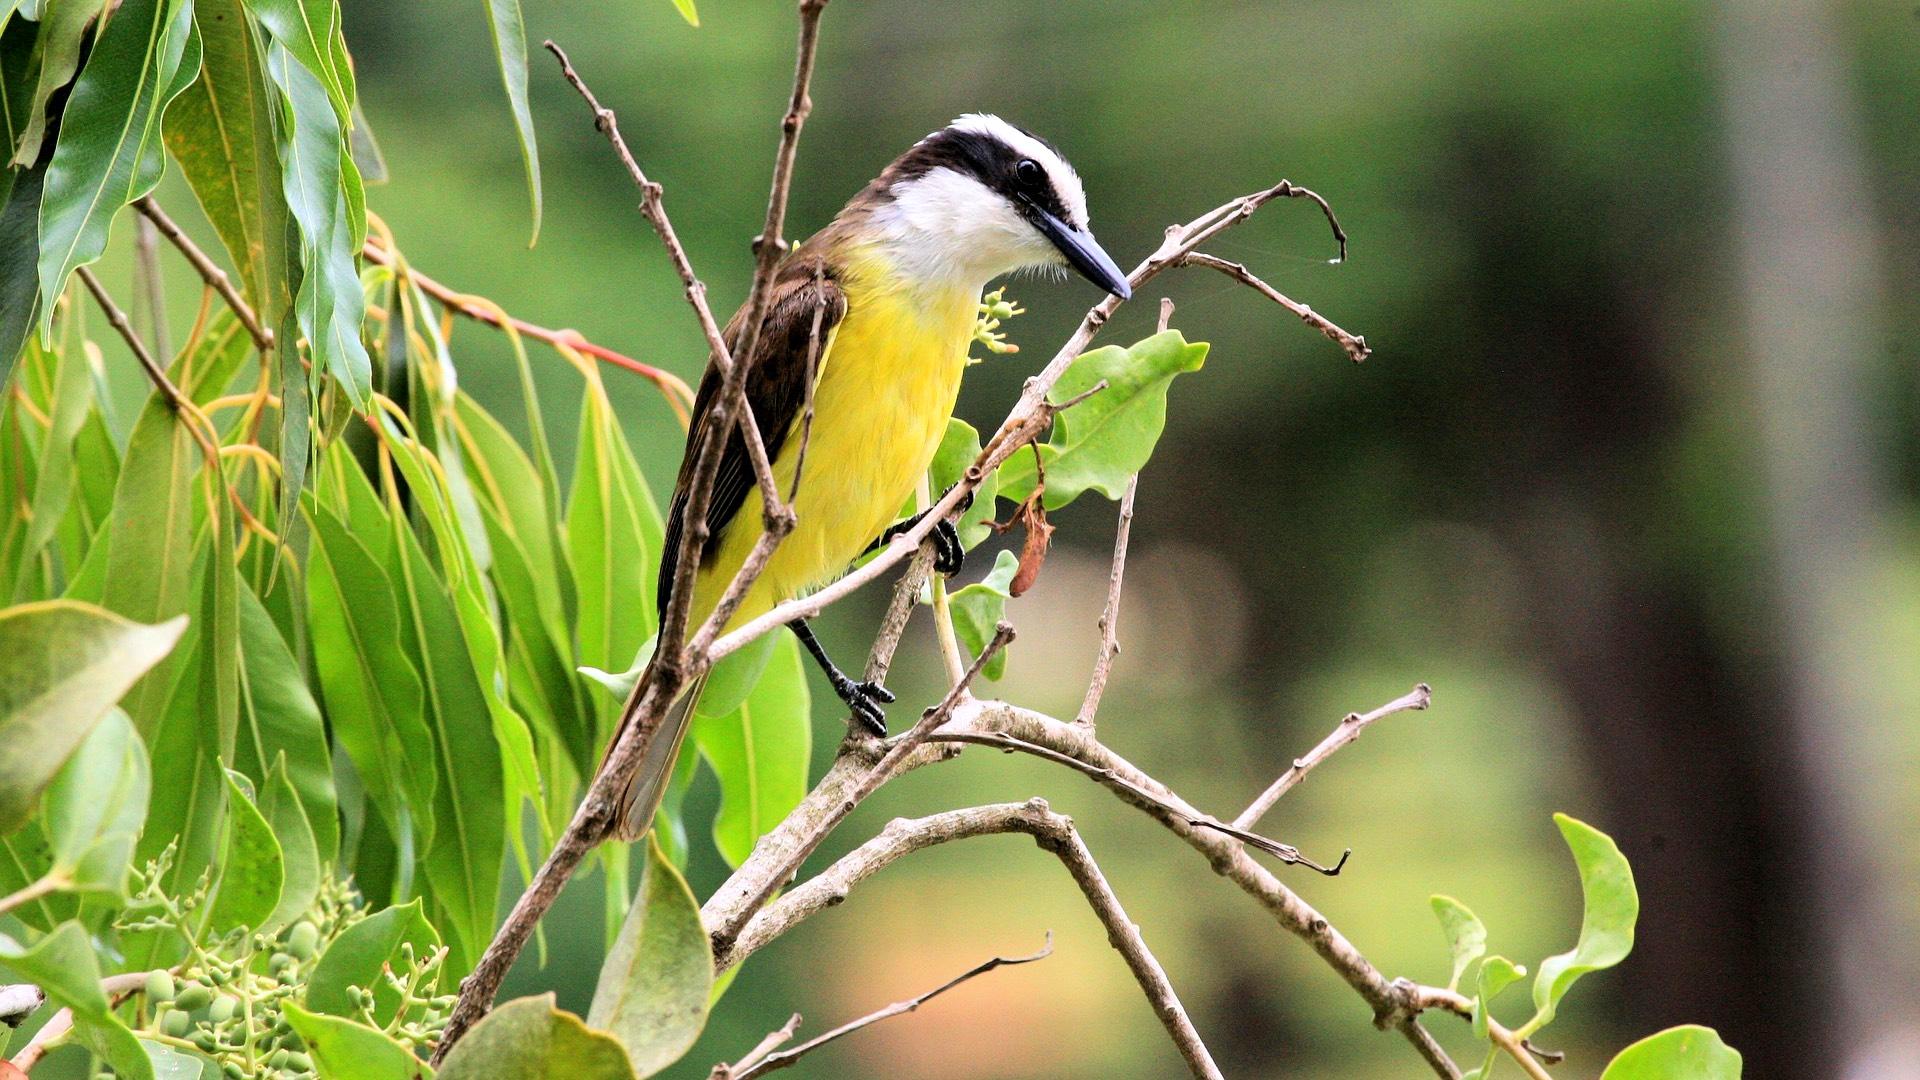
column 776, row 385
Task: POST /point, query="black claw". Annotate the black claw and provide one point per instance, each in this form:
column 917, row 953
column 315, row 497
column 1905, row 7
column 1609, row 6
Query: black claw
column 865, row 699
column 948, row 555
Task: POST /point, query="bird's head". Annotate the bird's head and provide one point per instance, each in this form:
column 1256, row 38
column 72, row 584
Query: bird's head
column 980, row 198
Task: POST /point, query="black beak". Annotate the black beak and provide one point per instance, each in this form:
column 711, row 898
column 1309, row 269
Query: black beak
column 1083, row 253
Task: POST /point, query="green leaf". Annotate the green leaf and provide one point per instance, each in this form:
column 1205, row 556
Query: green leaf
column 171, row 1064
column 959, row 448
column 1108, row 437
column 63, row 25
column 1496, row 974
column 361, row 953
column 321, row 187
column 252, row 869
column 19, row 259
column 345, row 1050
column 731, row 679
column 280, row 805
column 1466, row 935
column 687, row 12
column 279, row 720
column 220, row 130
column 305, row 30
column 109, row 149
column 371, row 690
column 760, row 753
column 979, row 607
column 529, row 1039
column 510, row 48
column 1612, row 906
column 72, row 394
column 63, row 964
column 96, row 806
column 653, row 987
column 150, row 546
column 463, row 861
column 613, row 537
column 1688, row 1052
column 62, row 666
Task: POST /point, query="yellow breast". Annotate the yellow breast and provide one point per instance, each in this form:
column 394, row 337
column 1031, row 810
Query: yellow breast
column 886, row 388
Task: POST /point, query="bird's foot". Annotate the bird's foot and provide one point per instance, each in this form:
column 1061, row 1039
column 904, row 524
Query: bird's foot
column 948, row 554
column 865, row 699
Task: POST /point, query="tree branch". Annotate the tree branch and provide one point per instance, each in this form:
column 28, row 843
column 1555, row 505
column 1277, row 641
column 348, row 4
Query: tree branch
column 209, row 271
column 1355, row 345
column 1348, row 730
column 1110, row 614
column 1054, row 833
column 752, row 1066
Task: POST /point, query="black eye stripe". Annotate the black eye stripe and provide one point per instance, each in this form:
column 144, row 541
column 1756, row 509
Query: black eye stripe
column 987, row 159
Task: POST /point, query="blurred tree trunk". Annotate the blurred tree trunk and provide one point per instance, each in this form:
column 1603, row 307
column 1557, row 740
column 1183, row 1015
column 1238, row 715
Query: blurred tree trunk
column 1810, row 274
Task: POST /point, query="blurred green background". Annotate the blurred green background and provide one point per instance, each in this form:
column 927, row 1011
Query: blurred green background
column 1632, row 480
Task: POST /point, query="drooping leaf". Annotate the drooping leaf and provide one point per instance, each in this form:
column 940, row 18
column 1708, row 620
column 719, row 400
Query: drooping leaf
column 1102, row 441
column 300, row 856
column 1466, row 935
column 510, row 48
column 63, row 964
column 63, row 25
column 613, row 537
column 979, row 607
column 1496, row 974
column 305, row 30
column 220, row 130
column 1688, row 1052
column 358, row 956
column 280, row 719
column 149, row 543
column 321, row 187
column 252, row 868
column 653, row 987
column 529, row 1039
column 62, row 666
column 108, row 153
column 760, row 753
column 1612, row 906
column 19, row 259
column 345, row 1050
column 96, row 805
column 72, row 393
column 370, row 687
column 959, row 448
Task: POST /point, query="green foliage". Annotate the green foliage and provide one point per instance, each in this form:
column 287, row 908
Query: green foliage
column 63, row 965
column 529, row 1039
column 1466, row 935
column 510, row 48
column 1689, row 1051
column 1611, row 907
column 345, row 1050
column 96, row 806
column 759, row 752
column 653, row 990
column 1099, row 443
column 979, row 607
column 62, row 666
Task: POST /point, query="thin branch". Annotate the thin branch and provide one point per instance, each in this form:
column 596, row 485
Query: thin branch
column 1348, row 730
column 33, row 890
column 1355, row 345
column 19, row 1001
column 1286, row 853
column 1434, row 997
column 746, row 1069
column 1110, row 614
column 155, row 373
column 679, row 396
column 892, row 762
column 775, row 1039
column 117, row 988
column 151, row 290
column 1055, row 834
column 209, row 271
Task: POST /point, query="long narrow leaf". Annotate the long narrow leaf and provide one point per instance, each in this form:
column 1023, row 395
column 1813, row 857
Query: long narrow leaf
column 510, row 47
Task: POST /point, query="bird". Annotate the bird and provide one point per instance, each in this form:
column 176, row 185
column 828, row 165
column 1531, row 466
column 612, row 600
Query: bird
column 879, row 308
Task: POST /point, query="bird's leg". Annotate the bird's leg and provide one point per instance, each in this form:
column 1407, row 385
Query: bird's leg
column 864, row 698
column 948, row 554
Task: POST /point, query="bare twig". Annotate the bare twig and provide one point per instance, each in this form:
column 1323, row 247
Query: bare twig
column 1434, row 997
column 1055, row 834
column 1348, row 730
column 155, row 373
column 890, row 763
column 151, row 290
column 1355, row 345
column 747, row 1069
column 1110, row 615
column 775, row 1039
column 209, row 271
column 679, row 396
column 116, row 987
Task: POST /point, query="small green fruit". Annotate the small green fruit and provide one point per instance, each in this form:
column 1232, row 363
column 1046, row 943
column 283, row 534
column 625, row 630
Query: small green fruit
column 193, row 996
column 159, row 987
column 175, row 1023
column 303, row 939
column 223, row 1008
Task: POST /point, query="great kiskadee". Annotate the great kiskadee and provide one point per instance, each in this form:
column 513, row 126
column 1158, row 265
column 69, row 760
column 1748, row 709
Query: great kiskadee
column 895, row 283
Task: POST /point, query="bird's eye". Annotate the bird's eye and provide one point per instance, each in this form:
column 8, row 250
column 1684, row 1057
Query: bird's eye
column 1030, row 173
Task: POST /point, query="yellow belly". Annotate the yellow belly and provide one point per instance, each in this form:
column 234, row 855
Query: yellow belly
column 886, row 388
